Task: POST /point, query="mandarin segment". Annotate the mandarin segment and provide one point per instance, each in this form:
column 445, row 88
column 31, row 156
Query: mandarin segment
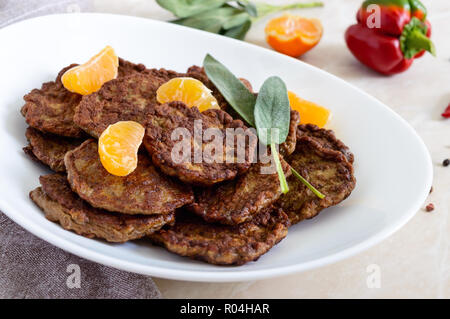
column 293, row 35
column 118, row 146
column 89, row 77
column 188, row 90
column 310, row 112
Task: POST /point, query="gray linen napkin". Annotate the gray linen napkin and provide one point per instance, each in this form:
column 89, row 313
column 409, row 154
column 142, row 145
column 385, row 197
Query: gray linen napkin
column 15, row 10
column 32, row 268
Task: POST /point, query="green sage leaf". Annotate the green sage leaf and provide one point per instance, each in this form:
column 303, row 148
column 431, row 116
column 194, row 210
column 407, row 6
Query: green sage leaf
column 233, row 90
column 187, row 8
column 272, row 111
column 236, row 20
column 272, row 117
column 238, row 32
column 251, row 9
column 211, row 21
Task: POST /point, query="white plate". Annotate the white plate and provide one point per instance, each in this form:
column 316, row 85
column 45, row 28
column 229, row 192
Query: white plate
column 392, row 165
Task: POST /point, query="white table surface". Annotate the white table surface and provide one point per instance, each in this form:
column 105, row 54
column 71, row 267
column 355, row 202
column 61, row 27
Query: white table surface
column 414, row 262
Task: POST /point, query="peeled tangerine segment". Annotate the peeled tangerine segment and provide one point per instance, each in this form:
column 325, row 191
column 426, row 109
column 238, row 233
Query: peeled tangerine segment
column 89, row 77
column 118, row 147
column 190, row 91
column 310, row 112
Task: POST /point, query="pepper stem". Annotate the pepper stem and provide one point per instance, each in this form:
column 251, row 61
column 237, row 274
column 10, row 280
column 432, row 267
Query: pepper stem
column 414, row 39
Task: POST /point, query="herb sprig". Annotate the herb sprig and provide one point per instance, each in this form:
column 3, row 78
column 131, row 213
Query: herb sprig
column 269, row 112
column 230, row 18
column 272, row 117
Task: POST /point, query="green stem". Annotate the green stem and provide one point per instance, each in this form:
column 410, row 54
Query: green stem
column 416, row 42
column 413, row 39
column 283, row 184
column 265, row 9
column 307, row 184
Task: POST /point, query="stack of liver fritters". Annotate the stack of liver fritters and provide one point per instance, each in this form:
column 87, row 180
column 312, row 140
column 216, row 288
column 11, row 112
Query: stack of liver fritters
column 222, row 212
column 83, row 197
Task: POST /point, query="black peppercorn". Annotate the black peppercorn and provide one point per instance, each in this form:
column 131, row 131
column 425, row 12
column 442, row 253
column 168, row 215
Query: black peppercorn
column 446, row 162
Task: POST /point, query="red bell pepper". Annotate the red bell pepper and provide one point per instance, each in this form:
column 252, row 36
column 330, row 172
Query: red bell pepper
column 446, row 113
column 389, row 42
